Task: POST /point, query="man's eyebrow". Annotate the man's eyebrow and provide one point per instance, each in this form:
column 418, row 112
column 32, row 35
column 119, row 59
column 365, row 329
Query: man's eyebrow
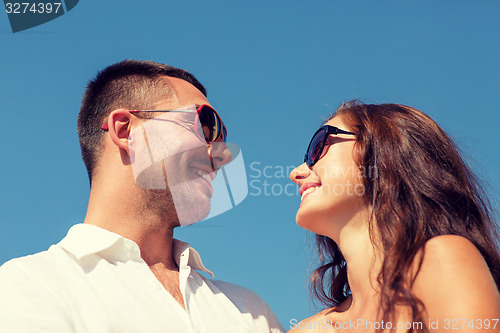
column 185, row 120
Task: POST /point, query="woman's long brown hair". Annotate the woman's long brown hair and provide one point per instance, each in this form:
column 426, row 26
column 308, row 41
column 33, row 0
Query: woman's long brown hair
column 418, row 188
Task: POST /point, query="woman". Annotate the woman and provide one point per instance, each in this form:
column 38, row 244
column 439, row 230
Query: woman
column 404, row 233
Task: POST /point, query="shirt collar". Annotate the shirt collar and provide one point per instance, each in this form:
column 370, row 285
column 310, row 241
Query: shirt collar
column 185, row 255
column 86, row 239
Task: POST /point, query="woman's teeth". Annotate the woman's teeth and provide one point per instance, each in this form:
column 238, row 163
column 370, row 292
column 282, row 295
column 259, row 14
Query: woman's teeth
column 203, row 174
column 309, row 190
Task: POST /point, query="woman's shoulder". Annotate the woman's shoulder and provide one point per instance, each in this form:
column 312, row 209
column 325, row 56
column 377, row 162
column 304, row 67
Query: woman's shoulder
column 450, row 244
column 318, row 323
column 451, row 254
column 452, row 259
column 324, row 321
column 454, row 280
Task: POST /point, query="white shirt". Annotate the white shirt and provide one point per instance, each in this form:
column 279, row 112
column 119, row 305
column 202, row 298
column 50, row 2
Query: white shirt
column 95, row 281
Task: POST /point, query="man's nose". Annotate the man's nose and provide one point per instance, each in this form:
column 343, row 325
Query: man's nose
column 219, row 154
column 299, row 173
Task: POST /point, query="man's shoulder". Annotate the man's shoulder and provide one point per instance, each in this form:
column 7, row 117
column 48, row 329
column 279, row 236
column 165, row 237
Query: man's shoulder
column 24, row 261
column 239, row 294
column 249, row 302
column 31, row 294
column 38, row 264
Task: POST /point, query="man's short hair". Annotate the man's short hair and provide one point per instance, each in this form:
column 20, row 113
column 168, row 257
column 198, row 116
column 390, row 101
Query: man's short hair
column 130, row 84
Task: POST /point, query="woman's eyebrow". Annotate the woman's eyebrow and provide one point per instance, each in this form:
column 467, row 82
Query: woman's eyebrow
column 332, row 139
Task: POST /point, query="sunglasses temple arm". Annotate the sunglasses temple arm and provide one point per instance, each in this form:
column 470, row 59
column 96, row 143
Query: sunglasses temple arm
column 339, row 131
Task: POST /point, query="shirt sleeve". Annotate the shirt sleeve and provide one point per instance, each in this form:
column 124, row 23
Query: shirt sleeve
column 248, row 302
column 27, row 304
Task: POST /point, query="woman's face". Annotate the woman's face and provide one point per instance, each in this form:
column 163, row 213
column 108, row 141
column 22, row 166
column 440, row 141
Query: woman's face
column 332, row 192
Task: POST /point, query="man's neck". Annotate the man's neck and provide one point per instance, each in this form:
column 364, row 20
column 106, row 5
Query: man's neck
column 155, row 243
column 156, row 247
column 154, row 239
column 126, row 216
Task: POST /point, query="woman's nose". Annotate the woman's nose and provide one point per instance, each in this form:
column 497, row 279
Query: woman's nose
column 299, row 173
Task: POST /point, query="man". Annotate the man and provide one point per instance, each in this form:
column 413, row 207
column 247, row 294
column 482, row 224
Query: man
column 150, row 171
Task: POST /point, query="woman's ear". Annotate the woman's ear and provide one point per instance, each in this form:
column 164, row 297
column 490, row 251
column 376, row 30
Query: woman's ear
column 119, row 127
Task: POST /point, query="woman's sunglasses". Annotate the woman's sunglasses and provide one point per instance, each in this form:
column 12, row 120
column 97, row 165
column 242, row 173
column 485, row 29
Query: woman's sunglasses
column 318, row 141
column 212, row 128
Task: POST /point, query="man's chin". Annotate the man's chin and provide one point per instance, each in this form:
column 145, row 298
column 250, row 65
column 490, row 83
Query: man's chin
column 183, row 204
column 192, row 214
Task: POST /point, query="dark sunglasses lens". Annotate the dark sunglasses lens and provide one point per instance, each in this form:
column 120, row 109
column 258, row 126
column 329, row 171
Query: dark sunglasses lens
column 210, row 123
column 315, row 147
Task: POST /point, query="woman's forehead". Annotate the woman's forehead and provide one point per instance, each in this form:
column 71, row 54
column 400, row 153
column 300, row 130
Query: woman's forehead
column 336, row 121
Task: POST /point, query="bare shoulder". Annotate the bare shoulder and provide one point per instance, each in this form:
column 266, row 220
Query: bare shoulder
column 455, row 281
column 452, row 246
column 315, row 324
column 452, row 254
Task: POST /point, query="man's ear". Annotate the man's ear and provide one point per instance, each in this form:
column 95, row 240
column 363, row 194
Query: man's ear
column 119, row 127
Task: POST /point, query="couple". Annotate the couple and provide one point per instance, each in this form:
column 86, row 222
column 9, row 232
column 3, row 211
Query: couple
column 412, row 245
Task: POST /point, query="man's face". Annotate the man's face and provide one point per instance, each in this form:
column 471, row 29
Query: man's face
column 172, row 164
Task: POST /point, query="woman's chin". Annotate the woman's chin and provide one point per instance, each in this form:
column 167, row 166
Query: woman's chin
column 310, row 222
column 303, row 218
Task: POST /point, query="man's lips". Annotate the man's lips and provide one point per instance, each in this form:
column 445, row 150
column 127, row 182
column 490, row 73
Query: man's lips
column 203, row 171
column 203, row 176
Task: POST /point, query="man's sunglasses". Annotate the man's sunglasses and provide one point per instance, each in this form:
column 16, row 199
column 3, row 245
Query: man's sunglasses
column 318, row 141
column 212, row 128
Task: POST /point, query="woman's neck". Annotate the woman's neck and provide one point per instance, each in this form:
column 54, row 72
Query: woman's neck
column 363, row 265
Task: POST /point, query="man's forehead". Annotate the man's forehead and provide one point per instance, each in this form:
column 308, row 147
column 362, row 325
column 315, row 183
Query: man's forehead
column 183, row 93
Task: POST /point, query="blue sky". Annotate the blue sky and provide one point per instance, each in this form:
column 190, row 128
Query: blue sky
column 274, row 71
